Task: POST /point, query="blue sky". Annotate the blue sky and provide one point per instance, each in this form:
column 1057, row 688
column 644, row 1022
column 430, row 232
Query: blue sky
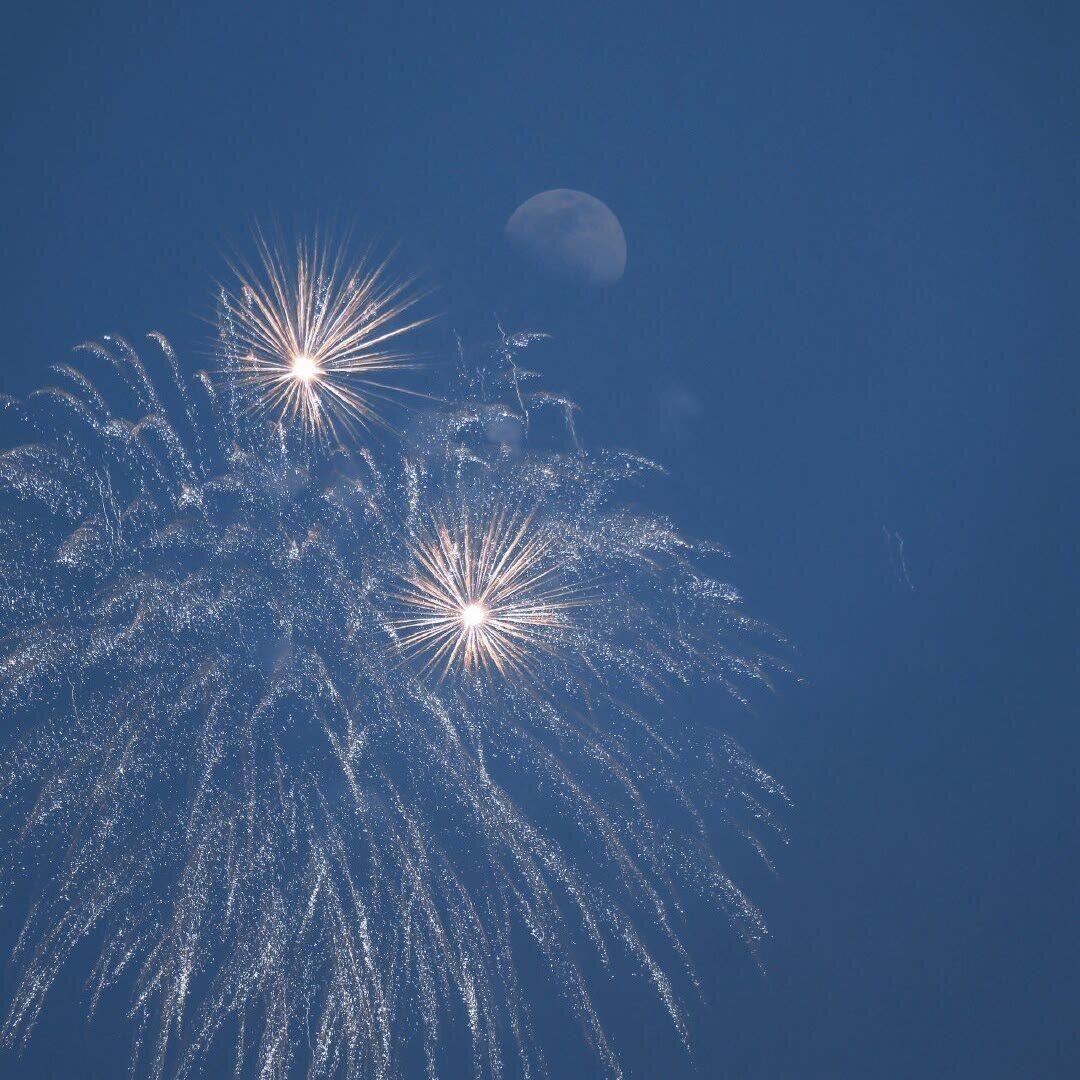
column 849, row 307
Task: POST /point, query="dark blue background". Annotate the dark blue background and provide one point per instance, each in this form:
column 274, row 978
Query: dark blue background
column 850, row 304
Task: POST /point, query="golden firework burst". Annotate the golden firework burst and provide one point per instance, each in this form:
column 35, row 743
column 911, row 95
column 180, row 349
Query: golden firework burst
column 483, row 599
column 315, row 336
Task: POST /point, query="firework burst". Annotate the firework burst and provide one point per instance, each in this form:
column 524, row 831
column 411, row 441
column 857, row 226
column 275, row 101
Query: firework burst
column 226, row 780
column 483, row 599
column 315, row 337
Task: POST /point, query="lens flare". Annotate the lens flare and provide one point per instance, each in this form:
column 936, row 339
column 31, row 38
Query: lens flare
column 316, row 336
column 481, row 600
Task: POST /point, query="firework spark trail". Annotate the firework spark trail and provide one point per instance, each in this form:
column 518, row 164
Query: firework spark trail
column 234, row 761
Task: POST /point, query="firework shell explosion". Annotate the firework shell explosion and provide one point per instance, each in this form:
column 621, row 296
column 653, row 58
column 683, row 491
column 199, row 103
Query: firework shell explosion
column 297, row 732
column 314, row 337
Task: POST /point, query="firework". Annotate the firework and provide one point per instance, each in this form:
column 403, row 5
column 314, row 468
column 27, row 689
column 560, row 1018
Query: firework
column 316, row 337
column 268, row 823
column 481, row 599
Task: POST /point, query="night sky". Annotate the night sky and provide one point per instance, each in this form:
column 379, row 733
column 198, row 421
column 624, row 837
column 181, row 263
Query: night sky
column 848, row 320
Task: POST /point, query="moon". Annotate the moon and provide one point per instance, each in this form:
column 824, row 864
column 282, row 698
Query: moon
column 570, row 234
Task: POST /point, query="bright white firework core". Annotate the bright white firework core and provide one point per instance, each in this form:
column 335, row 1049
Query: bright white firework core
column 304, row 367
column 473, row 615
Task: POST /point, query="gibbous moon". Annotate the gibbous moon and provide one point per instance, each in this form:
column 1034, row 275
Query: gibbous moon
column 570, row 234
